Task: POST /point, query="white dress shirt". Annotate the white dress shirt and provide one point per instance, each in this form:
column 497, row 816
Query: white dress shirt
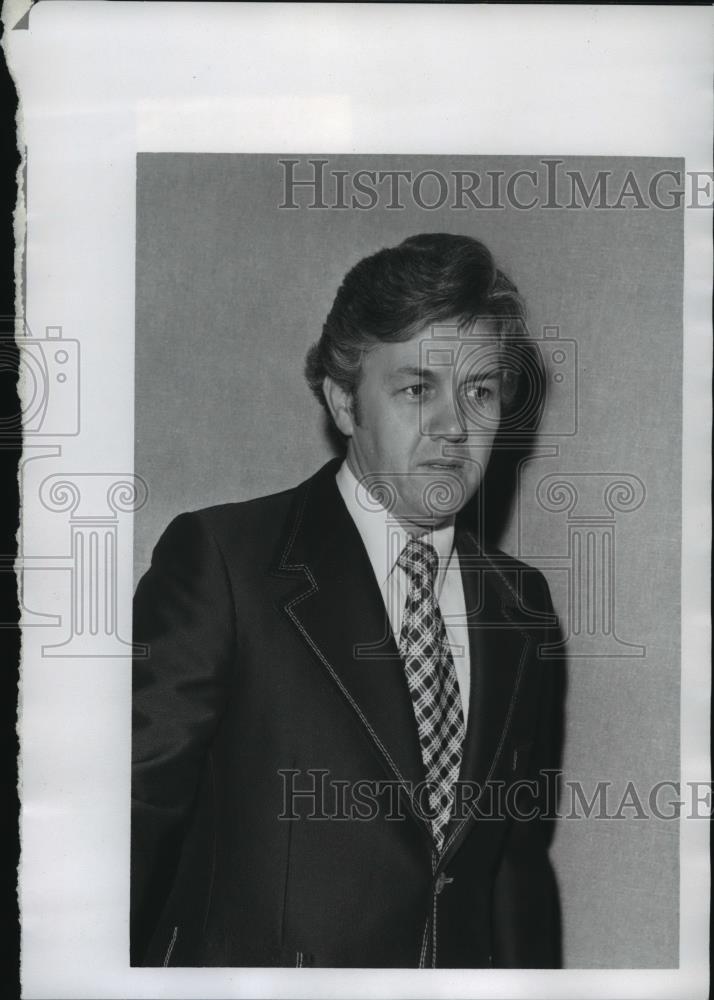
column 384, row 538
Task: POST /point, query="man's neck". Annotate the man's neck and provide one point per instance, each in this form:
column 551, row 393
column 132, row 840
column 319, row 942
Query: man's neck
column 414, row 528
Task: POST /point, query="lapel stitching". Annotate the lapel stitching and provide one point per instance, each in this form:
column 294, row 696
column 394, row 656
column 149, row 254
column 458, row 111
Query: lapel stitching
column 365, row 722
column 289, row 609
column 290, row 541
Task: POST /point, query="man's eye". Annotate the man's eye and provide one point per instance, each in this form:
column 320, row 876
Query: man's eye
column 479, row 393
column 414, row 391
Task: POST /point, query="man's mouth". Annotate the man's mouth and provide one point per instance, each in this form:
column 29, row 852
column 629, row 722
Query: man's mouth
column 444, row 464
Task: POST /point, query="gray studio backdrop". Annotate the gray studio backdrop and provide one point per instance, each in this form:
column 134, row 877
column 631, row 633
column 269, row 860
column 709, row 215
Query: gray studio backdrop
column 231, row 289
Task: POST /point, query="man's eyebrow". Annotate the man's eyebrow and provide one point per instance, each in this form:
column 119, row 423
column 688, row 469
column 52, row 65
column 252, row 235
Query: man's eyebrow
column 415, row 370
column 476, row 376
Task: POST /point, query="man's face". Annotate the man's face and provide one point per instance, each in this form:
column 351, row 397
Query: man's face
column 425, row 416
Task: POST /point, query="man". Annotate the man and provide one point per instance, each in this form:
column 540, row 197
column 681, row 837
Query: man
column 342, row 684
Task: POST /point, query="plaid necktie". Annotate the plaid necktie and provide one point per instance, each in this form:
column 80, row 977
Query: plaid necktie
column 431, row 677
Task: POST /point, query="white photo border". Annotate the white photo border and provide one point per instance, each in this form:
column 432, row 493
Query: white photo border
column 99, row 83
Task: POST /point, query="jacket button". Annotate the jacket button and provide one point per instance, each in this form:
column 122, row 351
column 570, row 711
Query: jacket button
column 441, row 881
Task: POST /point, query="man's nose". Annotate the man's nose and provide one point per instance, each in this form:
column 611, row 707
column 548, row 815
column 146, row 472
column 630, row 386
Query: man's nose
column 448, row 420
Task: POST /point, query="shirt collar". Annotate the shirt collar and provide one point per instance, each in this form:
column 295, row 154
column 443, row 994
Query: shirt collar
column 384, row 537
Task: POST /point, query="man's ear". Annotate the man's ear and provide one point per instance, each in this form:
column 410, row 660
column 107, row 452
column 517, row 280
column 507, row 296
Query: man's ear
column 339, row 403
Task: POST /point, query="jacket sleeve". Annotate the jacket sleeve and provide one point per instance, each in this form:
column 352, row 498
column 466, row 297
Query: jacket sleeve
column 526, row 908
column 184, row 619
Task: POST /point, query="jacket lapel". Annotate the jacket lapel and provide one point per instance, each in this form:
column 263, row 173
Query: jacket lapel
column 336, row 606
column 338, row 610
column 498, row 648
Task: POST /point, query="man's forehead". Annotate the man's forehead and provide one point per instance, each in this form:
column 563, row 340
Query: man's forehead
column 481, row 329
column 437, row 347
column 446, row 344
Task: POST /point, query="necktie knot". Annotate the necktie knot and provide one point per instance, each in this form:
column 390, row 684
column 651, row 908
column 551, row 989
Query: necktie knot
column 420, row 562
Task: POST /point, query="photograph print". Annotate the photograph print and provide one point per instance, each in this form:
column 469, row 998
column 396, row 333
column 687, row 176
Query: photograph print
column 406, row 680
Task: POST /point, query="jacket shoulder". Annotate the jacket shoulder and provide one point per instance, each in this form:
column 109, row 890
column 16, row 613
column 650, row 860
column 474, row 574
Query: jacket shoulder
column 527, row 584
column 245, row 514
column 245, row 532
column 225, row 525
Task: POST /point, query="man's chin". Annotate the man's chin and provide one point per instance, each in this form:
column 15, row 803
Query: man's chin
column 438, row 504
column 425, row 496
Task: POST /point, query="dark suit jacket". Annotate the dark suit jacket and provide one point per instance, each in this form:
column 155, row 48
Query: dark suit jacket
column 270, row 659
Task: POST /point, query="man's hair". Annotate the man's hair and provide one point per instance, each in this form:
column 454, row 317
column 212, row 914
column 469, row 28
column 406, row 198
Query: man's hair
column 429, row 279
